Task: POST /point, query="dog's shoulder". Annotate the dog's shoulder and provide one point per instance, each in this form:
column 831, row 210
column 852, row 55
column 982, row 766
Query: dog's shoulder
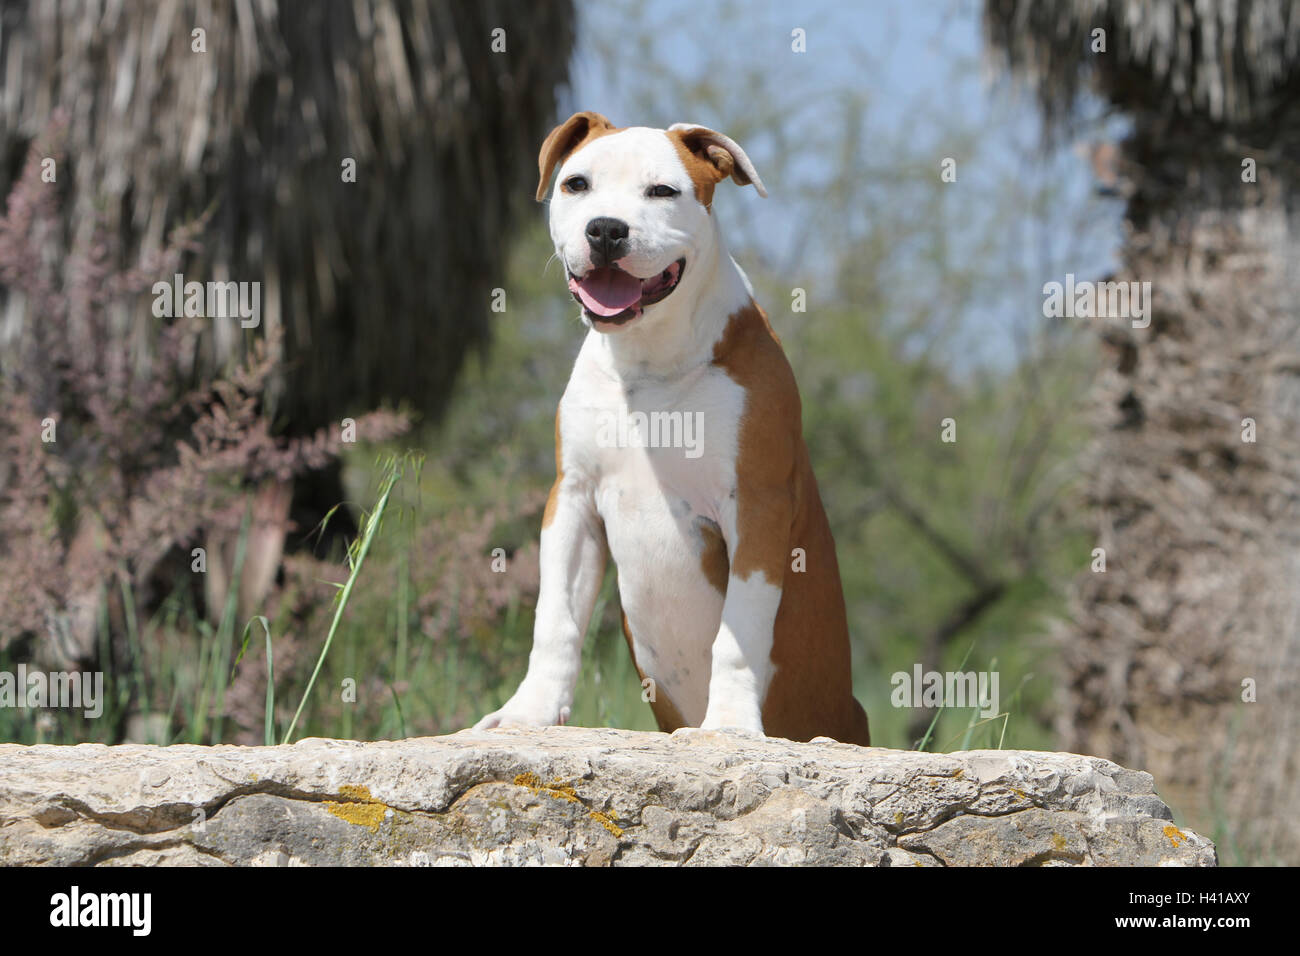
column 750, row 353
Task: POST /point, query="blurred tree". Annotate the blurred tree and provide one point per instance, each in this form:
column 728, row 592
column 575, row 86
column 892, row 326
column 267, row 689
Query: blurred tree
column 1200, row 519
column 380, row 282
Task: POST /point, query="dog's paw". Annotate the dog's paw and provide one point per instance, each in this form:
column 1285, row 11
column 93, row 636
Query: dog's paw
column 509, row 716
column 735, row 720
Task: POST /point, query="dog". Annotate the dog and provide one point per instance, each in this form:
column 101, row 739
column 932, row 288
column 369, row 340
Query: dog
column 732, row 605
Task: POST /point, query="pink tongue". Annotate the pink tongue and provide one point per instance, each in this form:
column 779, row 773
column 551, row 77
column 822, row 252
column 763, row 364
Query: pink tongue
column 607, row 291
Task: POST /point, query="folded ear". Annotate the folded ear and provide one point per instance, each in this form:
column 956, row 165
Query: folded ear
column 563, row 140
column 714, row 158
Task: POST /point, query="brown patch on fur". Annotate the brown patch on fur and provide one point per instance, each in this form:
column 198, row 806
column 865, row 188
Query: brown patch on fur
column 553, row 499
column 667, row 716
column 713, row 559
column 706, row 162
column 704, row 172
column 778, row 509
column 569, row 137
column 770, row 438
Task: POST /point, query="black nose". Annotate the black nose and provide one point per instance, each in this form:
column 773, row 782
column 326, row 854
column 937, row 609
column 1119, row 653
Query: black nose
column 607, row 238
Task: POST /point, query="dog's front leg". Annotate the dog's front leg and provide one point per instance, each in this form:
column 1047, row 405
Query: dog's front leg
column 572, row 565
column 758, row 545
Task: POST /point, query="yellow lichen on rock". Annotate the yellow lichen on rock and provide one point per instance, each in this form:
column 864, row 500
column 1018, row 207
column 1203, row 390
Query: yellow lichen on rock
column 606, row 820
column 361, row 808
column 559, row 790
column 556, row 788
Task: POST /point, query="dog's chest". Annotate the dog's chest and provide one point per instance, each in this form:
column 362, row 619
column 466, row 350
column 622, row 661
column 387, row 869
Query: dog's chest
column 660, row 458
column 658, row 453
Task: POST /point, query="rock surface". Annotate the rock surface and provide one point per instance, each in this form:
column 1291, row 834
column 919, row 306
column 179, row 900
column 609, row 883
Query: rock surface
column 571, row 795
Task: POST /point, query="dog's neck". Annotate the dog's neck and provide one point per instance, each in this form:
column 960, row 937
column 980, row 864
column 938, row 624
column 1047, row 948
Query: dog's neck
column 678, row 337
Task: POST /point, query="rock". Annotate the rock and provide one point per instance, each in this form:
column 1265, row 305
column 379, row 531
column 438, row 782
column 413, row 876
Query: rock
column 578, row 796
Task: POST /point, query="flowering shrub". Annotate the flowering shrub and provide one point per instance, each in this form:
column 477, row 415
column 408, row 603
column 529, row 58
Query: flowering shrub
column 116, row 457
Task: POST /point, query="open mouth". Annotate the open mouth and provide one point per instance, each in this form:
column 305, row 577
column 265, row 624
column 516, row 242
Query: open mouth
column 611, row 296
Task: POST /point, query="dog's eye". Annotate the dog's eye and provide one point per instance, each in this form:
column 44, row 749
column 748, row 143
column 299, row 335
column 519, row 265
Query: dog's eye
column 662, row 191
column 576, row 184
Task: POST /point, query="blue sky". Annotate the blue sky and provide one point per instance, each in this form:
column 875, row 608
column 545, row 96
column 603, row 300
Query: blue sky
column 918, row 68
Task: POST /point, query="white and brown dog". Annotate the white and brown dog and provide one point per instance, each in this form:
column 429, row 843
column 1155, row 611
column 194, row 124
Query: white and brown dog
column 726, row 565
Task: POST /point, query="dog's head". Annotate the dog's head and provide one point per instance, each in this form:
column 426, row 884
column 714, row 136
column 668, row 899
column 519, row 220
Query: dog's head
column 630, row 212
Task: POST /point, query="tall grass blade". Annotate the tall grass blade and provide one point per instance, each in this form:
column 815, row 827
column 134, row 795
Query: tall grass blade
column 357, row 552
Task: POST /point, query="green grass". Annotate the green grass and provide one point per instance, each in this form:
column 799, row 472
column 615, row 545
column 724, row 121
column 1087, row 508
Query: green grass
column 357, row 551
